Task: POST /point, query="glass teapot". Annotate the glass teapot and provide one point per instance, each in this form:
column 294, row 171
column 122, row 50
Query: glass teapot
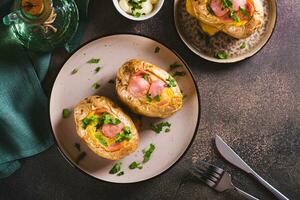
column 42, row 25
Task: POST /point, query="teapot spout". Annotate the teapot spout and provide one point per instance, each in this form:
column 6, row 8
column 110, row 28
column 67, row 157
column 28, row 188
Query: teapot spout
column 10, row 18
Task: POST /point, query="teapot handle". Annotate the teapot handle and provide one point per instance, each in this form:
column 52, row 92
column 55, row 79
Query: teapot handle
column 11, row 18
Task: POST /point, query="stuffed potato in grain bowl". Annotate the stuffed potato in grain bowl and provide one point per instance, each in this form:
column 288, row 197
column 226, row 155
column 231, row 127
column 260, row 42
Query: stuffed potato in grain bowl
column 107, row 130
column 147, row 89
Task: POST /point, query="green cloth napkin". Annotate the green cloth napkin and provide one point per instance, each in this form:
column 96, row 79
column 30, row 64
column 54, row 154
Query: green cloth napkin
column 24, row 122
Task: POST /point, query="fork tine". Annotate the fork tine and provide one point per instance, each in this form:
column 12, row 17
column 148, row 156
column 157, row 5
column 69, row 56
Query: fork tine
column 207, row 173
column 203, row 178
column 214, row 168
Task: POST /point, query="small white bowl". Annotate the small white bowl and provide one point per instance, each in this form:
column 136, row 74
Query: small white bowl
column 143, row 17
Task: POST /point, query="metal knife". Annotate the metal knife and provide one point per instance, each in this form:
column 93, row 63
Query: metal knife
column 234, row 159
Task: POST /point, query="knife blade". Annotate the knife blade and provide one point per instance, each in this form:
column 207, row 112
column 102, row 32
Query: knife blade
column 237, row 161
column 231, row 156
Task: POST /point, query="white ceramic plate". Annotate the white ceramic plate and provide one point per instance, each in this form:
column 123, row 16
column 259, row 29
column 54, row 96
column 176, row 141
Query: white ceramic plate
column 69, row 89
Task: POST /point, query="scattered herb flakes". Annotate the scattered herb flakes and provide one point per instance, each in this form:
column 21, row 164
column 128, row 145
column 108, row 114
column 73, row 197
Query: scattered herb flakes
column 120, row 173
column 171, row 82
column 111, row 81
column 66, row 113
column 167, row 130
column 149, row 97
column 116, row 168
column 80, row 157
column 87, row 121
column 157, row 128
column 94, row 61
column 156, row 50
column 175, row 65
column 244, row 12
column 77, row 146
column 95, row 86
column 222, row 55
column 146, row 77
column 135, row 165
column 148, row 152
column 243, row 46
column 179, row 73
column 157, row 98
column 97, row 69
column 125, row 135
column 74, row 71
column 101, row 139
column 115, row 121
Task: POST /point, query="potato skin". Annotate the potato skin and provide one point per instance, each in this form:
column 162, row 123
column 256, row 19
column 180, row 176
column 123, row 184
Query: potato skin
column 92, row 103
column 239, row 32
column 135, row 104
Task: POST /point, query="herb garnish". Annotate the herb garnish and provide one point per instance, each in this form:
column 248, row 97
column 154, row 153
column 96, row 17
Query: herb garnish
column 97, row 69
column 74, row 71
column 175, row 65
column 222, row 55
column 120, row 173
column 157, row 128
column 209, row 8
column 87, row 121
column 111, row 81
column 95, row 86
column 244, row 11
column 171, row 82
column 243, row 46
column 101, row 140
column 228, row 4
column 125, row 135
column 66, row 112
column 116, row 168
column 80, row 157
column 77, row 146
column 135, row 165
column 156, row 50
column 148, row 152
column 146, row 77
column 94, row 61
column 157, row 98
column 149, row 97
column 136, row 5
column 179, row 73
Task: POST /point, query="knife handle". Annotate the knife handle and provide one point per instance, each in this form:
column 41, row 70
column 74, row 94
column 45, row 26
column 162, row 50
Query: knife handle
column 278, row 194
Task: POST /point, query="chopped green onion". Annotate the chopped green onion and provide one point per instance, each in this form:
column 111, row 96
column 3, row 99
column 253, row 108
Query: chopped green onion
column 171, row 82
column 94, row 61
column 135, row 165
column 175, row 65
column 111, row 81
column 157, row 98
column 116, row 168
column 74, row 71
column 66, row 113
column 77, row 146
column 156, row 50
column 120, row 173
column 149, row 97
column 157, row 128
column 80, row 157
column 146, row 77
column 179, row 73
column 222, row 55
column 97, row 69
column 101, row 139
column 243, row 46
column 95, row 86
column 148, row 152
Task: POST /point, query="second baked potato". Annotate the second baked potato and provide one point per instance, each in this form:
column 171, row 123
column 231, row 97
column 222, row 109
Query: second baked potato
column 147, row 89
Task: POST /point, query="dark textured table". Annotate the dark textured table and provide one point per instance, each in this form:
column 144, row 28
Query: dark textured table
column 254, row 105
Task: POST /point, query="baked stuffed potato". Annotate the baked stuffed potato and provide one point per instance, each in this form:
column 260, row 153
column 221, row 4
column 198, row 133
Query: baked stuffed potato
column 107, row 130
column 237, row 18
column 147, row 89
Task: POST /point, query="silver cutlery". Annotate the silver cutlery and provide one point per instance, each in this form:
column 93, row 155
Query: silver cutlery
column 234, row 159
column 216, row 178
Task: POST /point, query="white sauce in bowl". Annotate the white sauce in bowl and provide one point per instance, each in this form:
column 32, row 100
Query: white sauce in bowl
column 146, row 7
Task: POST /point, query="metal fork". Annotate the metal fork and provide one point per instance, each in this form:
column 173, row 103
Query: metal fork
column 216, row 178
